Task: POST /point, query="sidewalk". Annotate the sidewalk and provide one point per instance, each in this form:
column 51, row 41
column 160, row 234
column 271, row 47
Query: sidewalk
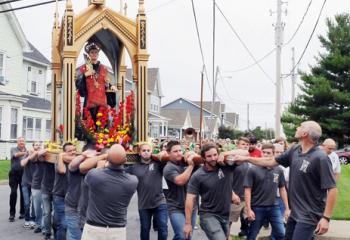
column 338, row 230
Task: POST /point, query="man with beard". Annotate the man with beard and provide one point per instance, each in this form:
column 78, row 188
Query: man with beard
column 151, row 200
column 312, row 187
column 214, row 185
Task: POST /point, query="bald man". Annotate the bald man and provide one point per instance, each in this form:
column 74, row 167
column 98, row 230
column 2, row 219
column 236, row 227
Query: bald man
column 110, row 191
column 312, row 187
column 329, row 146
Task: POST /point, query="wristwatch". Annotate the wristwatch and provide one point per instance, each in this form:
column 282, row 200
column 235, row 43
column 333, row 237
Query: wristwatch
column 327, row 218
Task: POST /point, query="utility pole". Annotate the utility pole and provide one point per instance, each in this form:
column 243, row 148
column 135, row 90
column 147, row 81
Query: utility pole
column 248, row 116
column 293, row 75
column 214, row 75
column 201, row 112
column 278, row 42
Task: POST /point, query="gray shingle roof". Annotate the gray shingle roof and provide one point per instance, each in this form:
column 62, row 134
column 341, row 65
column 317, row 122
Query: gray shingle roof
column 36, row 55
column 207, row 106
column 37, row 103
column 177, row 116
column 152, row 77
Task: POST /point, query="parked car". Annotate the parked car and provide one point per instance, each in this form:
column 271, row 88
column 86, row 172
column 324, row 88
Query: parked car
column 344, row 155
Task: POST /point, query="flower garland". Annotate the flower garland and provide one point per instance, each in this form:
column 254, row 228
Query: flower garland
column 108, row 128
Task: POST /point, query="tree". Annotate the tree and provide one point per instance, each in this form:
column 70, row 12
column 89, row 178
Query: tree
column 227, row 132
column 325, row 91
column 260, row 133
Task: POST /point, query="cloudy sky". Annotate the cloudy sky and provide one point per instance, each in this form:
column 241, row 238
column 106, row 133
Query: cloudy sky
column 173, row 46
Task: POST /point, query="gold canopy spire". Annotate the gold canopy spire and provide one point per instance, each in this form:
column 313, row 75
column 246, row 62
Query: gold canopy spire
column 141, row 6
column 69, row 4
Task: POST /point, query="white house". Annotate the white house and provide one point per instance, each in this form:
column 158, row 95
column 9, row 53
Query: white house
column 24, row 111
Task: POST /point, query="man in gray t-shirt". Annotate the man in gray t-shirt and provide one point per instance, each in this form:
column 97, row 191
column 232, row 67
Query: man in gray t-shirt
column 15, row 177
column 177, row 174
column 110, row 191
column 151, row 200
column 214, row 185
column 261, row 184
column 312, row 188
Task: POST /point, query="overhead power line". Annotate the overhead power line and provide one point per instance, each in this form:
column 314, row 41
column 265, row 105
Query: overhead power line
column 160, row 6
column 28, row 6
column 10, row 1
column 309, row 40
column 274, row 49
column 244, row 45
column 200, row 44
column 300, row 23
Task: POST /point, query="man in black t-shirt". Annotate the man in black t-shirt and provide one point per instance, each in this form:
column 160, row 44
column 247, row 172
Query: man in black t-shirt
column 261, row 184
column 214, row 185
column 151, row 200
column 312, row 188
column 15, row 177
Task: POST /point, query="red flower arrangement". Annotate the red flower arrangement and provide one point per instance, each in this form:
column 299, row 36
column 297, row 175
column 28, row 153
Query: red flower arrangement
column 59, row 130
column 108, row 128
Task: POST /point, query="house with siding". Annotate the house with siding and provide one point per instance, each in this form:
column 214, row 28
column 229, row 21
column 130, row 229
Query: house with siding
column 213, row 117
column 24, row 109
column 157, row 122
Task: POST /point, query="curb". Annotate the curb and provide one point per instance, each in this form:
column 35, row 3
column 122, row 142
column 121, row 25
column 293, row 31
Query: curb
column 4, row 182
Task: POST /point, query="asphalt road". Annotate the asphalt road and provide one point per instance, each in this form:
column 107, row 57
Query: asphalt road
column 15, row 230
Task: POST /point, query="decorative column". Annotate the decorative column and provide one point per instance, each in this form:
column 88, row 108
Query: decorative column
column 141, row 84
column 68, row 71
column 56, row 81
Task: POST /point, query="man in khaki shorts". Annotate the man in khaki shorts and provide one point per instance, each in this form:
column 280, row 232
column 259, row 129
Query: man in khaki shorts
column 238, row 203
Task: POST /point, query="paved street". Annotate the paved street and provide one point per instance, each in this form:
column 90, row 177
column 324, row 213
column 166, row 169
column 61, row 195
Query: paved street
column 15, row 231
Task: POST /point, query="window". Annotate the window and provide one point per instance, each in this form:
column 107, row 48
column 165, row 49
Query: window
column 32, row 78
column 32, row 128
column 2, row 64
column 14, row 123
column 0, row 120
column 48, row 130
column 38, row 129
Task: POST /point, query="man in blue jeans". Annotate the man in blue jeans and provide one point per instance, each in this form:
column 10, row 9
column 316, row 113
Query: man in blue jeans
column 46, row 195
column 311, row 183
column 27, row 165
column 260, row 185
column 151, row 200
column 213, row 183
column 59, row 189
column 36, row 185
column 73, row 198
column 177, row 173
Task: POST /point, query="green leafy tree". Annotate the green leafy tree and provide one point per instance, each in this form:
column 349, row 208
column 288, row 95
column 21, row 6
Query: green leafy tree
column 325, row 96
column 227, row 132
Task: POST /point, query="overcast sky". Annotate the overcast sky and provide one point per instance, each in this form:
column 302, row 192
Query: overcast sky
column 173, row 46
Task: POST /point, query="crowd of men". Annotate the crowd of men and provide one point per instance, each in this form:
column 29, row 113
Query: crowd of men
column 86, row 196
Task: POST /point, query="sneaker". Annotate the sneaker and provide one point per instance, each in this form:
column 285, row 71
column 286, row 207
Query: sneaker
column 37, row 230
column 195, row 227
column 26, row 224
column 32, row 225
column 12, row 218
column 47, row 237
column 241, row 234
column 21, row 216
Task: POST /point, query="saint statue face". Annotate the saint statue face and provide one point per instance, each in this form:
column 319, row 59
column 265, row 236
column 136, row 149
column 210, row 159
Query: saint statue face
column 93, row 54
